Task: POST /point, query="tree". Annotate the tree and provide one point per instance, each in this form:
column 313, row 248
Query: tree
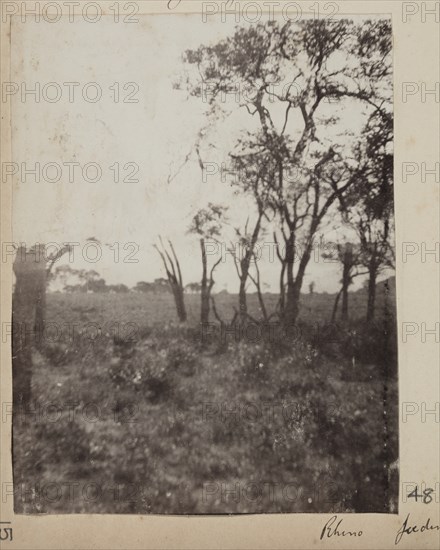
column 349, row 261
column 40, row 311
column 174, row 274
column 30, row 286
column 207, row 225
column 73, row 279
column 255, row 174
column 322, row 62
column 194, row 288
column 81, row 280
column 118, row 289
column 143, row 286
column 158, row 286
column 161, row 286
column 348, row 255
column 91, row 280
column 53, row 258
column 74, row 288
column 63, row 274
column 257, row 282
column 370, row 204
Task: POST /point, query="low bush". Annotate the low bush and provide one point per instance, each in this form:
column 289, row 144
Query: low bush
column 254, row 360
column 147, row 372
column 182, row 356
column 64, row 439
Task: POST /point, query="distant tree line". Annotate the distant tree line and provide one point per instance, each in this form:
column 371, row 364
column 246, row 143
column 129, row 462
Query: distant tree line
column 81, row 280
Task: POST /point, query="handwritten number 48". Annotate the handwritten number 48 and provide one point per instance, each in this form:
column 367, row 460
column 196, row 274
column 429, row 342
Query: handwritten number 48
column 425, row 497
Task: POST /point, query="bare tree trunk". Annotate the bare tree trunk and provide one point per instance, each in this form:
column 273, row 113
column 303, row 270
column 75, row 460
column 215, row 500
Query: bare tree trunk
column 40, row 312
column 289, row 314
column 282, row 260
column 282, row 289
column 174, row 274
column 243, row 271
column 207, row 284
column 180, row 303
column 204, row 294
column 257, row 282
column 242, row 300
column 40, row 315
column 346, row 279
column 335, row 307
column 30, row 285
column 371, row 291
column 294, row 290
column 204, row 315
column 344, row 312
column 290, row 308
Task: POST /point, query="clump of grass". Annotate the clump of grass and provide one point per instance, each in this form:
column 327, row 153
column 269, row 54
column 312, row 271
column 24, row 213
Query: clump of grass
column 146, row 372
column 64, row 440
column 254, row 360
column 182, row 356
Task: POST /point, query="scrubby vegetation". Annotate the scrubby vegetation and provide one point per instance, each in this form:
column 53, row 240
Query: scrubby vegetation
column 138, row 417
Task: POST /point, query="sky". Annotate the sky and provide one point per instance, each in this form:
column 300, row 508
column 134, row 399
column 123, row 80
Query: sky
column 155, row 134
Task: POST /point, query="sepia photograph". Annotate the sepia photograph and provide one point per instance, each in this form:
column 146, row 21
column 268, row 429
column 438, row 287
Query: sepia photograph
column 203, row 245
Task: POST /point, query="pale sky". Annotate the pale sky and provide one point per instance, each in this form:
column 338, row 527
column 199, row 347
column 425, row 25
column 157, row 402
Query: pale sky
column 156, row 133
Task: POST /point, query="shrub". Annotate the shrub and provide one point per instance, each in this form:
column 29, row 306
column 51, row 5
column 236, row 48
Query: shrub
column 59, row 354
column 64, row 438
column 377, row 343
column 254, row 360
column 182, row 357
column 147, row 371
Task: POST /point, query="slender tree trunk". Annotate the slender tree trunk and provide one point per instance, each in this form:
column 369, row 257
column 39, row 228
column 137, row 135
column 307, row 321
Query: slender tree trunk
column 371, row 290
column 30, row 285
column 290, row 308
column 346, row 279
column 40, row 315
column 244, row 265
column 204, row 314
column 205, row 290
column 289, row 296
column 345, row 284
column 344, row 313
column 290, row 260
column 282, row 289
column 282, row 300
column 242, row 299
column 174, row 274
column 179, row 300
column 257, row 282
column 294, row 290
column 335, row 307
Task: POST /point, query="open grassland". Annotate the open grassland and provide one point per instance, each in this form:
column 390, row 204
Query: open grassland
column 135, row 413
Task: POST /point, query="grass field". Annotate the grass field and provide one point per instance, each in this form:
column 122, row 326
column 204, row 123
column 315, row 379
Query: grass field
column 136, row 414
